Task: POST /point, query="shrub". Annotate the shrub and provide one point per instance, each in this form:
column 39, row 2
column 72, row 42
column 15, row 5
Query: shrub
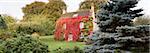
column 28, row 28
column 37, row 23
column 42, row 29
column 5, row 35
column 22, row 44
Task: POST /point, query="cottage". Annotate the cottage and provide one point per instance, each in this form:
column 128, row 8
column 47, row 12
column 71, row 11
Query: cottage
column 72, row 26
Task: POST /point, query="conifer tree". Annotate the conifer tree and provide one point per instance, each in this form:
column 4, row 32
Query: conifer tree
column 116, row 33
column 117, row 13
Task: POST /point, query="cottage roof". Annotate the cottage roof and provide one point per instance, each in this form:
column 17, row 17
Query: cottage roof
column 79, row 13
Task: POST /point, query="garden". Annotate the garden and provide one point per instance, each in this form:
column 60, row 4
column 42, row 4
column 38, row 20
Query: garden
column 42, row 29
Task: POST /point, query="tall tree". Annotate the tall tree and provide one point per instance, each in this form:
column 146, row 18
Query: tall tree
column 52, row 9
column 116, row 32
column 43, row 14
column 34, row 8
column 87, row 4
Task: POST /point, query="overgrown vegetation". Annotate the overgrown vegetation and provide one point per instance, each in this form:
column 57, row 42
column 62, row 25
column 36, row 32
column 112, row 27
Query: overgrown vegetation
column 39, row 24
column 117, row 33
column 21, row 43
column 43, row 14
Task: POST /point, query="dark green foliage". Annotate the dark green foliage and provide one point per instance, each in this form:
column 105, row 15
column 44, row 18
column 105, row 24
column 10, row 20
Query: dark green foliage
column 3, row 25
column 73, row 50
column 44, row 14
column 41, row 29
column 29, row 29
column 116, row 33
column 117, row 13
column 137, row 37
column 88, row 3
column 127, row 39
column 52, row 9
column 22, row 44
column 34, row 8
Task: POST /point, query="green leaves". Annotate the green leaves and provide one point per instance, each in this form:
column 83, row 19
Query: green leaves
column 23, row 44
column 3, row 24
column 34, row 8
column 88, row 3
column 43, row 16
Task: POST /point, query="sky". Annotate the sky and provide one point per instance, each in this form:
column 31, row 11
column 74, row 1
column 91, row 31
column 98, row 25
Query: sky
column 13, row 7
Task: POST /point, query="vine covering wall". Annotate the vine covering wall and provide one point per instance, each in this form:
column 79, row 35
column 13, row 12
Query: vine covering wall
column 67, row 26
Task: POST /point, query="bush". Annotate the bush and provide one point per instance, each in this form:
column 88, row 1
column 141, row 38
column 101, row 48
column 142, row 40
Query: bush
column 22, row 44
column 37, row 23
column 29, row 28
column 5, row 34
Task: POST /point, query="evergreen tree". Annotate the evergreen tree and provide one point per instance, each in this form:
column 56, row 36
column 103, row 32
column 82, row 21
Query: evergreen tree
column 116, row 33
column 117, row 13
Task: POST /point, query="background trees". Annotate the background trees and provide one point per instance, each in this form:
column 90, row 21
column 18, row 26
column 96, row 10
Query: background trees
column 43, row 15
column 52, row 9
column 87, row 4
column 3, row 24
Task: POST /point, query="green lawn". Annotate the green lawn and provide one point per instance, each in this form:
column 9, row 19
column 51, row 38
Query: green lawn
column 52, row 44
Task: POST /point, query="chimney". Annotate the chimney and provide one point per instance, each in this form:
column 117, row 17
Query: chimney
column 64, row 11
column 95, row 26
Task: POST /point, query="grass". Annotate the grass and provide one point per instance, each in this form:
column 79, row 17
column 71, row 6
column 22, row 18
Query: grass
column 52, row 44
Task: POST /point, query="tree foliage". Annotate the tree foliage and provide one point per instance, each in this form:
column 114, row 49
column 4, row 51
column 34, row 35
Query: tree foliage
column 88, row 3
column 117, row 13
column 44, row 14
column 52, row 9
column 116, row 33
column 3, row 24
column 34, row 8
